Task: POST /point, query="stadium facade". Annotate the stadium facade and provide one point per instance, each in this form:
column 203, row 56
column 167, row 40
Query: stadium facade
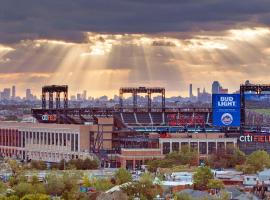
column 121, row 136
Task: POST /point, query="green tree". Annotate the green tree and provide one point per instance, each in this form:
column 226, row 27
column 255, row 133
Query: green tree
column 55, row 185
column 258, row 160
column 238, row 157
column 146, row 178
column 38, row 164
column 90, row 164
column 3, row 187
column 141, row 190
column 12, row 197
column 34, row 180
column 215, row 184
column 201, row 177
column 229, row 158
column 183, row 196
column 16, row 168
column 36, row 197
column 122, row 176
column 23, row 189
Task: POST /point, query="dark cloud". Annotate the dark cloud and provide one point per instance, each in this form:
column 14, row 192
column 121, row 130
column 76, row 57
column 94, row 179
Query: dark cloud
column 69, row 19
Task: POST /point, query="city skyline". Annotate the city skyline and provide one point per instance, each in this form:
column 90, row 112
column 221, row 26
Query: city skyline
column 100, row 48
column 13, row 93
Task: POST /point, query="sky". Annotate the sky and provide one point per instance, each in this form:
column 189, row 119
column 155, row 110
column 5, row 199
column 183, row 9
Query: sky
column 101, row 45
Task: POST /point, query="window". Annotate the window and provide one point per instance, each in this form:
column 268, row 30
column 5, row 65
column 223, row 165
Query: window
column 53, row 138
column 45, row 138
column 72, row 142
column 65, row 142
column 175, row 146
column 41, row 138
column 166, row 147
column 49, row 138
column 56, row 139
column 60, row 139
column 76, row 142
column 37, row 137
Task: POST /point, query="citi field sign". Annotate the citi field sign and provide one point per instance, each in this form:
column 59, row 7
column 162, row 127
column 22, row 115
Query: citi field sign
column 254, row 137
column 49, row 118
column 226, row 110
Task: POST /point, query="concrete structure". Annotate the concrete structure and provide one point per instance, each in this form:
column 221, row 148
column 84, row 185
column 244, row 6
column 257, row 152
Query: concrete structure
column 133, row 158
column 205, row 143
column 48, row 142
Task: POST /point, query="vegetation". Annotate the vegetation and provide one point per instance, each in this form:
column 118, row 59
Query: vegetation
column 215, row 184
column 39, row 165
column 183, row 196
column 143, row 189
column 98, row 184
column 255, row 162
column 226, row 159
column 201, row 177
column 186, row 156
column 122, row 176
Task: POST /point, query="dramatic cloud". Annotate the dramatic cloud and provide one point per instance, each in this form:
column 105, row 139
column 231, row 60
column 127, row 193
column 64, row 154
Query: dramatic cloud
column 68, row 20
column 106, row 62
column 101, row 45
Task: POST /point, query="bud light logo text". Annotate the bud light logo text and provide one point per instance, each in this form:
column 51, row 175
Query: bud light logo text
column 226, row 102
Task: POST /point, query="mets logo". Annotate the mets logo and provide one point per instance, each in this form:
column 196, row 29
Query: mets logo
column 226, row 119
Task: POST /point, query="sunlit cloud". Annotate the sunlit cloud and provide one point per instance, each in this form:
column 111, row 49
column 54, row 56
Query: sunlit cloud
column 105, row 62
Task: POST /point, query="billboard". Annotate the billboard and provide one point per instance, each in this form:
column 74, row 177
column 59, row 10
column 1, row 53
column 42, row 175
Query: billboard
column 226, row 109
column 257, row 109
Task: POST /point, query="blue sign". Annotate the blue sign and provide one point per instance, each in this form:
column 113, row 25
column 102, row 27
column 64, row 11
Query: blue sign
column 226, row 109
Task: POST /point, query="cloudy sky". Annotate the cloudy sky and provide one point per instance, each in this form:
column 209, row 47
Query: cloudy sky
column 102, row 45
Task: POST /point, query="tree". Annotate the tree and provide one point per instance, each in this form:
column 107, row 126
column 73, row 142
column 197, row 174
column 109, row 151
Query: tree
column 12, row 197
column 201, row 177
column 142, row 190
column 229, row 158
column 54, row 185
column 16, row 168
column 3, row 187
column 146, row 178
column 90, row 164
column 122, row 176
column 258, row 160
column 183, row 196
column 186, row 156
column 98, row 184
column 215, row 184
column 36, row 197
column 38, row 164
column 24, row 188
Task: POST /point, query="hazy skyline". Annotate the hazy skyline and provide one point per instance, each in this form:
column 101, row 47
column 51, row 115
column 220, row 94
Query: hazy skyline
column 100, row 46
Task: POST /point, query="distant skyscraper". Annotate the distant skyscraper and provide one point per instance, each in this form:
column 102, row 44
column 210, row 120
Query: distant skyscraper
column 198, row 92
column 79, row 97
column 190, row 91
column 215, row 87
column 5, row 94
column 28, row 94
column 13, row 92
column 84, row 96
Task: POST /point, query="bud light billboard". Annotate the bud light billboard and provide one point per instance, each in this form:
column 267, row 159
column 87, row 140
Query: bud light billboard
column 226, row 110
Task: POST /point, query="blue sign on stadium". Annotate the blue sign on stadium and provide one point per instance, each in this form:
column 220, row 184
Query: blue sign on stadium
column 226, row 109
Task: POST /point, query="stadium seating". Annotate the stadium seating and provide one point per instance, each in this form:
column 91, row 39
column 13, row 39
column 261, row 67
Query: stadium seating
column 129, row 118
column 157, row 118
column 143, row 118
